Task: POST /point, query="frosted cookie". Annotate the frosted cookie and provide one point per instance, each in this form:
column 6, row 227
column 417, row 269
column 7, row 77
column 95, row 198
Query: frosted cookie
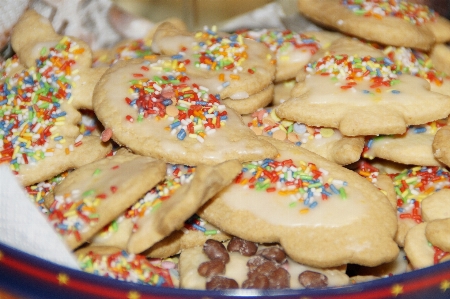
column 347, row 82
column 291, row 51
column 156, row 109
column 38, row 102
column 115, row 263
column 441, row 146
column 438, row 233
column 194, row 233
column 93, row 195
column 420, row 252
column 416, row 26
column 414, row 147
column 247, row 265
column 234, row 67
column 166, row 207
column 298, row 200
column 326, row 142
column 413, row 186
column 440, row 57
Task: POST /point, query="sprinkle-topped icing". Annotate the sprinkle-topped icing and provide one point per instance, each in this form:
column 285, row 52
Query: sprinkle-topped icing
column 414, row 62
column 214, row 52
column 37, row 192
column 126, row 267
column 414, row 184
column 191, row 109
column 266, row 122
column 196, row 223
column 416, row 14
column 429, row 128
column 381, row 72
column 139, row 48
column 306, row 184
column 30, row 105
column 283, row 41
column 368, row 171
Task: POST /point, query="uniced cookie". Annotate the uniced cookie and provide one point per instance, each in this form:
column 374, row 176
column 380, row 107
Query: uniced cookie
column 284, row 199
column 361, row 93
column 416, row 26
column 156, row 109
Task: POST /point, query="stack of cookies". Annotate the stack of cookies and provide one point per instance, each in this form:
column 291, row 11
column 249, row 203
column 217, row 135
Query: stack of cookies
column 256, row 159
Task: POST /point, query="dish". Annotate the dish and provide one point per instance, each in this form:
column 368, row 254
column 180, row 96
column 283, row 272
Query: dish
column 28, row 276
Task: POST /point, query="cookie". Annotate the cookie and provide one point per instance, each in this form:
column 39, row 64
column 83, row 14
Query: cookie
column 326, row 142
column 40, row 91
column 92, row 196
column 291, row 51
column 440, row 145
column 166, row 207
column 346, row 83
column 417, row 26
column 440, row 57
column 298, row 200
column 157, row 110
column 115, row 263
column 414, row 147
column 438, row 233
column 244, row 264
column 415, row 186
column 230, row 65
column 436, row 206
column 420, row 252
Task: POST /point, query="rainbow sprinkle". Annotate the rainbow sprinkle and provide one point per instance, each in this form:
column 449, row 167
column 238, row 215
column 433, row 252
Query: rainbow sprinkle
column 30, row 105
column 414, row 13
column 266, row 122
column 305, row 184
column 37, row 192
column 282, row 41
column 126, row 267
column 193, row 112
column 381, row 71
column 414, row 62
column 196, row 223
column 139, row 48
column 415, row 184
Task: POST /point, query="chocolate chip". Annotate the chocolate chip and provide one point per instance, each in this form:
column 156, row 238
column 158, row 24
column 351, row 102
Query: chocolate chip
column 311, row 279
column 279, row 279
column 221, row 283
column 216, row 251
column 244, row 247
column 211, row 268
column 273, row 254
column 258, row 281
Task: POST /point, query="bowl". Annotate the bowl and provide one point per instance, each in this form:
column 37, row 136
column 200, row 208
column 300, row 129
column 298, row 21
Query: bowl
column 25, row 276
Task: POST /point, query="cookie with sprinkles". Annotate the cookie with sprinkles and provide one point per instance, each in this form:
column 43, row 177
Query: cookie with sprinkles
column 38, row 105
column 361, row 92
column 441, row 146
column 245, row 264
column 158, row 110
column 165, row 208
column 291, row 51
column 413, row 147
column 118, row 264
column 298, row 200
column 414, row 186
column 420, row 251
column 236, row 68
column 326, row 142
column 416, row 25
column 92, row 196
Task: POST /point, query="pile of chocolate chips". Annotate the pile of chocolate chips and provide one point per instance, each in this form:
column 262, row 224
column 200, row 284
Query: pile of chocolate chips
column 265, row 267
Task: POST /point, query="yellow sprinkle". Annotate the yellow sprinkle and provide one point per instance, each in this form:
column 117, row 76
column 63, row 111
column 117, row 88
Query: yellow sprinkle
column 326, row 132
column 304, row 211
column 193, row 135
column 274, row 116
column 70, row 213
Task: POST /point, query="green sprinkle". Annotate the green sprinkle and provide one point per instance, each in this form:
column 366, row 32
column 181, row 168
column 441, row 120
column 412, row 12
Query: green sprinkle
column 88, row 193
column 97, row 172
column 210, row 232
column 343, row 193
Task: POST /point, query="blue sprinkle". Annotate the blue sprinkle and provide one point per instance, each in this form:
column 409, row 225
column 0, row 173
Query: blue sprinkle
column 58, row 138
column 181, row 135
column 313, row 205
column 420, row 130
column 177, row 56
column 388, row 61
column 4, row 102
column 198, row 227
column 298, row 143
column 167, row 102
column 334, row 189
column 379, row 73
column 223, row 117
column 396, row 91
column 225, row 84
column 369, row 68
column 203, row 103
column 369, row 144
column 326, row 193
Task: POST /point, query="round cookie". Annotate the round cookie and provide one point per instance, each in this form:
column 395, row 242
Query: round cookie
column 305, row 217
column 349, row 81
column 417, row 26
column 154, row 108
column 326, row 142
column 234, row 67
